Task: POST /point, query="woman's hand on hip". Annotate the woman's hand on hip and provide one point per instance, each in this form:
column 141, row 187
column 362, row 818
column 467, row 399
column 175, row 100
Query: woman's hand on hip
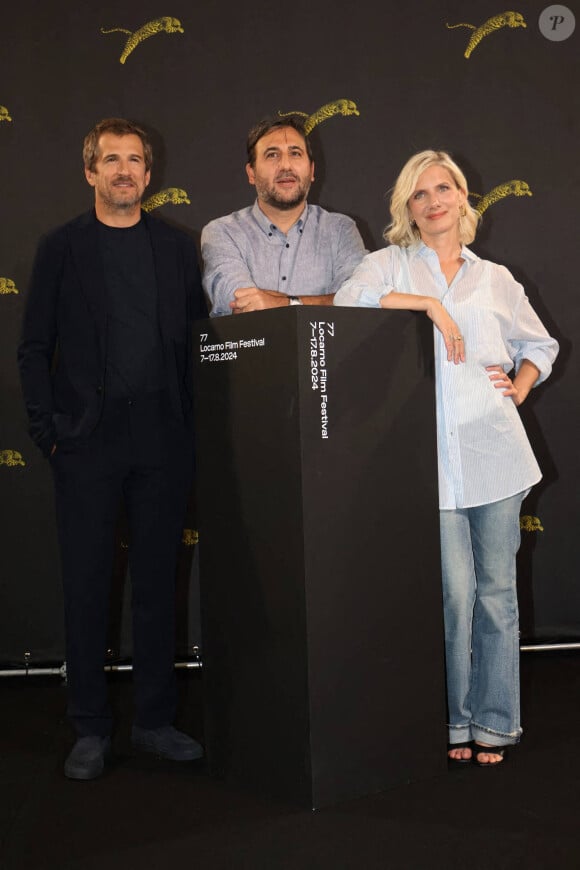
column 503, row 382
column 521, row 385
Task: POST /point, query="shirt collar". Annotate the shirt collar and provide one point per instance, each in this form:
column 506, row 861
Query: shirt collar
column 420, row 249
column 266, row 224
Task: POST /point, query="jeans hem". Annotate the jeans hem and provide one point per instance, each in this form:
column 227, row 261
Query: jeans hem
column 499, row 738
column 463, row 733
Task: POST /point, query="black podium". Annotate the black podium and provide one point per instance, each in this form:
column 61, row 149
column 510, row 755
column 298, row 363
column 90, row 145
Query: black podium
column 319, row 550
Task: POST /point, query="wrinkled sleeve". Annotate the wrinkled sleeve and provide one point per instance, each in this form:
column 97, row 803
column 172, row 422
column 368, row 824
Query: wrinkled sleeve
column 224, row 267
column 349, row 253
column 529, row 339
column 372, row 279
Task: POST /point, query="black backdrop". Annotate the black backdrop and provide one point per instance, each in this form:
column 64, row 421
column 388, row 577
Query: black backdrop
column 508, row 112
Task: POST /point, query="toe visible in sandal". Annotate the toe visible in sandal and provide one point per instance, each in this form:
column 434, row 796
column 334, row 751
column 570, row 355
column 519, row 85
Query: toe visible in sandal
column 488, row 750
column 467, row 744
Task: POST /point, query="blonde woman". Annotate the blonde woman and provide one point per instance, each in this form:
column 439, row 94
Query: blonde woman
column 485, row 327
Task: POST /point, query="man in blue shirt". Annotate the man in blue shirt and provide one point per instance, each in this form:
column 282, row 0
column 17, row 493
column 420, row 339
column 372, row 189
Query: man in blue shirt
column 281, row 251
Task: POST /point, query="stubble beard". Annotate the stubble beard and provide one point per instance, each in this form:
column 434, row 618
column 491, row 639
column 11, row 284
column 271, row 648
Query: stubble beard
column 118, row 201
column 271, row 197
column 125, row 204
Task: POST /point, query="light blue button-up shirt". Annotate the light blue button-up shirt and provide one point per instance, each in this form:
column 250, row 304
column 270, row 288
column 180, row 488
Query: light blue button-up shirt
column 245, row 249
column 484, row 453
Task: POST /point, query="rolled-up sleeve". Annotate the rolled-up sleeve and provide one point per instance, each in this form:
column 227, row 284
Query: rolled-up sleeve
column 371, row 280
column 529, row 339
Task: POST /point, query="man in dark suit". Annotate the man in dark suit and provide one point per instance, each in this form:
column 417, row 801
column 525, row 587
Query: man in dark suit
column 106, row 368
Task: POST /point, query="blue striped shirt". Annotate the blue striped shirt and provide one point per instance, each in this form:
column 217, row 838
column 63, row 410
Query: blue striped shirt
column 484, row 453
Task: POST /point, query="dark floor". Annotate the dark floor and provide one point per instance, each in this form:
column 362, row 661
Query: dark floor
column 145, row 813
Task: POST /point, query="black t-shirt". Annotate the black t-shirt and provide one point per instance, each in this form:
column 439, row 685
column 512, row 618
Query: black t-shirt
column 134, row 349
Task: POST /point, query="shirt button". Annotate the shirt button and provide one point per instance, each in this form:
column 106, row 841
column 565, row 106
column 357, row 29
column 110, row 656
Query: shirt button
column 283, row 277
column 287, row 246
column 270, row 234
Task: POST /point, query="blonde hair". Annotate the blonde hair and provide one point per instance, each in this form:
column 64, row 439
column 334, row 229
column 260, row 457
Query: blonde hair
column 400, row 231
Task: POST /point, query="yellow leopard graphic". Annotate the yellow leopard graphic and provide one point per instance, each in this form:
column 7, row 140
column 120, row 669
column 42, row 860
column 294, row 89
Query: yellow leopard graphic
column 173, row 195
column 531, row 524
column 11, row 458
column 510, row 188
column 4, row 114
column 7, row 286
column 338, row 107
column 505, row 19
column 159, row 25
column 190, row 537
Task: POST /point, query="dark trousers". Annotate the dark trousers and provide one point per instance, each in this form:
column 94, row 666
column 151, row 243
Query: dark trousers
column 141, row 454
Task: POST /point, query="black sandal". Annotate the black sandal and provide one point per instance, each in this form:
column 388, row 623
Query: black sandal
column 488, row 750
column 467, row 744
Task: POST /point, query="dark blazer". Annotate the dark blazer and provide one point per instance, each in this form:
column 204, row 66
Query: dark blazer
column 63, row 349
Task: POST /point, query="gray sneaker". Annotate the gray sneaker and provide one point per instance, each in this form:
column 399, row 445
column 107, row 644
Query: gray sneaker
column 167, row 742
column 86, row 759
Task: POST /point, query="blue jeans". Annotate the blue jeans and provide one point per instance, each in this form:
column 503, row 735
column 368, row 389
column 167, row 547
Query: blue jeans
column 478, row 554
